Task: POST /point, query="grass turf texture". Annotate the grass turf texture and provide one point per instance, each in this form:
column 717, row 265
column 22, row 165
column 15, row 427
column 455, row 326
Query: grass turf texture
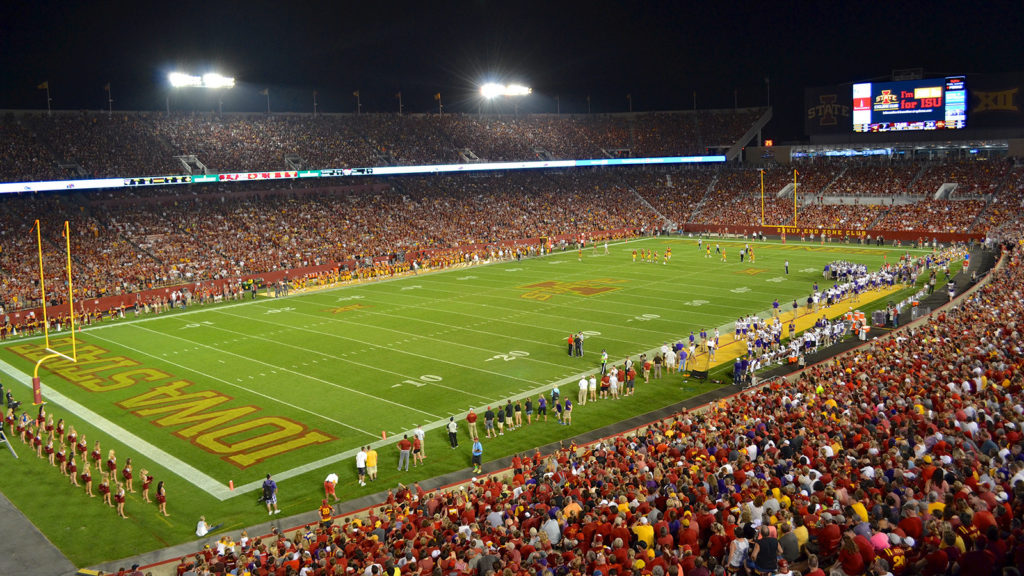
column 349, row 363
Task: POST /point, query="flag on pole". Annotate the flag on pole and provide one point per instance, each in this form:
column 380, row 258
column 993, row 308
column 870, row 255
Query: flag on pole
column 44, row 86
column 398, row 95
column 265, row 92
column 356, row 93
column 315, row 93
column 437, row 96
column 106, row 88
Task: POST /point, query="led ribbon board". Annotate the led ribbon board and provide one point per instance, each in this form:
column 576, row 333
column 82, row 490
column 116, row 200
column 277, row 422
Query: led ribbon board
column 229, row 177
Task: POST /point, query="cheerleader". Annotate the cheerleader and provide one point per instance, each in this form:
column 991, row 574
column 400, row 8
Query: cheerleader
column 119, row 498
column 105, row 492
column 60, row 430
column 147, row 479
column 83, row 448
column 87, row 478
column 49, row 424
column 37, row 441
column 11, row 420
column 23, row 427
column 126, row 473
column 62, row 459
column 97, row 457
column 48, row 450
column 111, row 472
column 161, row 498
column 41, row 417
column 72, row 439
column 73, row 470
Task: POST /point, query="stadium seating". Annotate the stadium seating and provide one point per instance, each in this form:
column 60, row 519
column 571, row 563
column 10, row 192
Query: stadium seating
column 916, row 446
column 915, row 459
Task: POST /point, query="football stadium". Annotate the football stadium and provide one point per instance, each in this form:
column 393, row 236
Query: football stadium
column 517, row 342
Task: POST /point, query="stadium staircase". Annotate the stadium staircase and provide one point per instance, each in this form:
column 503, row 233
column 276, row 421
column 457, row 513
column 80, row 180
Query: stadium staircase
column 192, row 164
column 294, row 162
column 736, row 149
column 945, row 191
column 707, row 194
column 467, row 156
column 920, row 173
column 825, row 188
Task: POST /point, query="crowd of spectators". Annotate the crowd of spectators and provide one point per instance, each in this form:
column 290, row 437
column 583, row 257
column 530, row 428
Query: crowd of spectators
column 876, row 178
column 929, row 215
column 127, row 241
column 902, row 457
column 92, row 144
column 974, row 178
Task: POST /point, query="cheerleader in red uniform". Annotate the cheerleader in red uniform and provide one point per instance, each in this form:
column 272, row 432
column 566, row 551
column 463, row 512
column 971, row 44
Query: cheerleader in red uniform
column 62, row 459
column 97, row 457
column 147, row 479
column 41, row 417
column 72, row 439
column 119, row 498
column 126, row 473
column 23, row 426
column 83, row 448
column 87, row 478
column 48, row 450
column 111, row 472
column 49, row 424
column 105, row 492
column 59, row 429
column 73, row 470
column 161, row 498
column 37, row 441
column 11, row 420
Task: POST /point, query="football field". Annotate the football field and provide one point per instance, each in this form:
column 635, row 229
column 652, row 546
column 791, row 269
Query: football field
column 213, row 398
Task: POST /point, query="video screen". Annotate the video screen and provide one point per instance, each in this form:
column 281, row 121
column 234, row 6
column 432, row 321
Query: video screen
column 936, row 104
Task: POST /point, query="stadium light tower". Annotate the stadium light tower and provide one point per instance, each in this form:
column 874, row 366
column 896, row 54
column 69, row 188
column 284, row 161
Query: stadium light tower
column 492, row 90
column 211, row 80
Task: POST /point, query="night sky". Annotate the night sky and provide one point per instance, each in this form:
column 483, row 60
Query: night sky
column 658, row 52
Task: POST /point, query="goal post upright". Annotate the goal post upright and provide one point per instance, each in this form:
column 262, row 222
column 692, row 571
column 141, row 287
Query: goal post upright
column 37, row 396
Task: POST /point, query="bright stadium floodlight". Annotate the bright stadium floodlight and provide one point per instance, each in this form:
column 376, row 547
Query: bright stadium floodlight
column 180, row 80
column 492, row 90
column 211, row 80
column 214, row 80
column 517, row 90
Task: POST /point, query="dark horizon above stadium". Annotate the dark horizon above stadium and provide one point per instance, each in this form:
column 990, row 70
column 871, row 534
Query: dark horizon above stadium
column 575, row 55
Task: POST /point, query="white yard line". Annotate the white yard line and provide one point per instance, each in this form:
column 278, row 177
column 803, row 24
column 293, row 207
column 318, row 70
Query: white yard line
column 232, row 384
column 365, row 343
column 281, row 368
column 434, row 338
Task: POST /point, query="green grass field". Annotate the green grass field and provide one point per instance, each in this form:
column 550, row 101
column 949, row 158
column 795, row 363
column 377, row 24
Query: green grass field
column 293, row 386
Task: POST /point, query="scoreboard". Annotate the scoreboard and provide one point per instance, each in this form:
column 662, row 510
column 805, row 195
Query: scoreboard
column 937, row 104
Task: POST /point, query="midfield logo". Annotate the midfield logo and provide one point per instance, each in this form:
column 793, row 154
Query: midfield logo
column 543, row 291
